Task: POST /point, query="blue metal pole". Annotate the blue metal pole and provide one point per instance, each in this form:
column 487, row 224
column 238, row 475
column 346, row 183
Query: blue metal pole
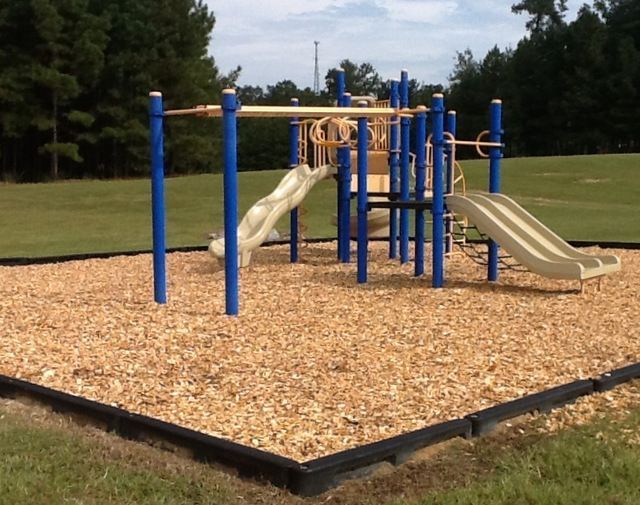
column 405, row 146
column 421, row 176
column 340, row 84
column 230, row 182
column 340, row 90
column 495, row 156
column 452, row 129
column 156, row 120
column 345, row 199
column 394, row 165
column 437, row 209
column 294, row 130
column 363, row 239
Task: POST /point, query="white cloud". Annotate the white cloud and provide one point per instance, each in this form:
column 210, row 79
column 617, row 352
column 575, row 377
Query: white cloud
column 274, row 40
column 419, row 11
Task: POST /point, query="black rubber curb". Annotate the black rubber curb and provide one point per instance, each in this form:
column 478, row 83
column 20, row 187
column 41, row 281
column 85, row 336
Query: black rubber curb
column 605, row 245
column 43, row 260
column 329, row 471
column 610, row 380
column 249, row 462
column 486, row 420
column 315, row 476
column 307, row 479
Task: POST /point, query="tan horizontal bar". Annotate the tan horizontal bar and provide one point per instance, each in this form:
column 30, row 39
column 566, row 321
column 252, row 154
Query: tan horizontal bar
column 270, row 111
column 207, row 110
column 286, row 111
column 473, row 143
column 417, row 110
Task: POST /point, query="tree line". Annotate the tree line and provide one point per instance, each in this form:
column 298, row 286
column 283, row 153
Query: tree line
column 568, row 88
column 75, row 74
column 74, row 81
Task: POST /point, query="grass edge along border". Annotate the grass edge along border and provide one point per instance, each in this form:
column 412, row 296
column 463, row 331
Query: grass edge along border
column 315, row 476
column 43, row 260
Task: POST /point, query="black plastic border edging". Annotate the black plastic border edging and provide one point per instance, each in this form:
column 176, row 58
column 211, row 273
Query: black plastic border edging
column 328, row 471
column 610, row 380
column 42, row 260
column 306, row 479
column 605, row 245
column 486, row 420
column 248, row 461
column 318, row 475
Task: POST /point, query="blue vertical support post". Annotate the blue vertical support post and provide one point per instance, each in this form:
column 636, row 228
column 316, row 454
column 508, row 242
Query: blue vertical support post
column 421, row 176
column 405, row 146
column 437, row 209
column 156, row 123
column 495, row 157
column 230, row 183
column 451, row 127
column 345, row 198
column 341, row 87
column 363, row 232
column 394, row 164
column 294, row 132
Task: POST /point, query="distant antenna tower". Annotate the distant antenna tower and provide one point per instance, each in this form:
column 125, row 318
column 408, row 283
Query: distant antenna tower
column 316, row 71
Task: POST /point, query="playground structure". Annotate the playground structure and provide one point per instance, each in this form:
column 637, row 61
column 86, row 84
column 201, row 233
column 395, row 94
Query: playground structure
column 167, row 364
column 340, row 141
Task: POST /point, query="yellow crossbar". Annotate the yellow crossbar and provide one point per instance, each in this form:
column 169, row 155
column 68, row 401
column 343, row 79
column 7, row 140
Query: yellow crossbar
column 286, row 111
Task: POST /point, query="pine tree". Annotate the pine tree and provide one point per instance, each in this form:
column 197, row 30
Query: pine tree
column 68, row 53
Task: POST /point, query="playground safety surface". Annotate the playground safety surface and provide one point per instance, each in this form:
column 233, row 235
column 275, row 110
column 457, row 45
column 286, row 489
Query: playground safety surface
column 315, row 363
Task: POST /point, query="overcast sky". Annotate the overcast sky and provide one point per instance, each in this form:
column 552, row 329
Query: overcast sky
column 273, row 39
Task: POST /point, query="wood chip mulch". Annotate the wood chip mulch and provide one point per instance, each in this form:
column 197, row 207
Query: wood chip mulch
column 315, row 363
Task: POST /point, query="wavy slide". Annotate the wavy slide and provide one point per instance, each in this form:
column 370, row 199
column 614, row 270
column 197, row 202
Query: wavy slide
column 529, row 241
column 260, row 219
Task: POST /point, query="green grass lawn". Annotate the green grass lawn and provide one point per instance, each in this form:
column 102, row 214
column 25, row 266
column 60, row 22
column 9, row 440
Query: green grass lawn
column 580, row 197
column 594, row 464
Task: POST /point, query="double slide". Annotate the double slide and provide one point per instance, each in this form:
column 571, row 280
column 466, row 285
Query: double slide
column 263, row 216
column 526, row 239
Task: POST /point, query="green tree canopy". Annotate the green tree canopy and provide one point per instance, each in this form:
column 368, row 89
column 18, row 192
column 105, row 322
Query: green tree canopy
column 74, row 80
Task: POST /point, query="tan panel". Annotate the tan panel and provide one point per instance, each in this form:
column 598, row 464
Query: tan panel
column 375, row 183
column 377, row 162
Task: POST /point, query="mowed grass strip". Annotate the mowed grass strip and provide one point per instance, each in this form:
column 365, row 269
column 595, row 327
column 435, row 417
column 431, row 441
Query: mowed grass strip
column 579, row 197
column 47, row 465
column 95, row 216
column 591, row 465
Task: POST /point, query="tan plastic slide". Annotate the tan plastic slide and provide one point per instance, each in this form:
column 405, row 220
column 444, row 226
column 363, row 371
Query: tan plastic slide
column 263, row 216
column 529, row 241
